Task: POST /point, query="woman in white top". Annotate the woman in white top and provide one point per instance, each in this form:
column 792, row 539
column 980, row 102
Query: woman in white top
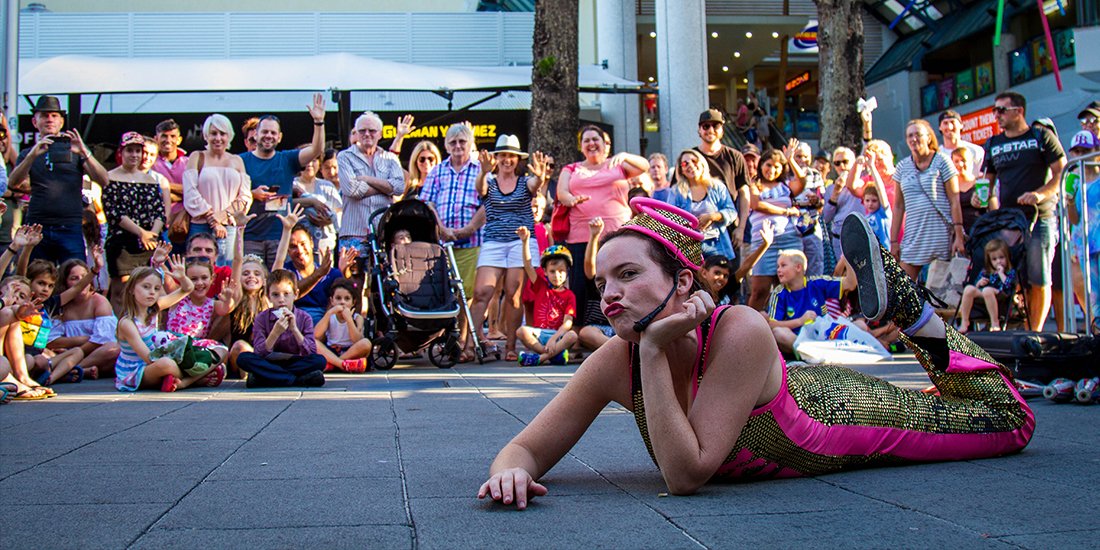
column 215, row 186
column 928, row 202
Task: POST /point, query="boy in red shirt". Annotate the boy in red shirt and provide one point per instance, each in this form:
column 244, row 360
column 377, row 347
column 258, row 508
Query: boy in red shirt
column 552, row 334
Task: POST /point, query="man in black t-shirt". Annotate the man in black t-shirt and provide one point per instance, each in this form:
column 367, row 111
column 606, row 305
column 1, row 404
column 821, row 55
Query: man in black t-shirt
column 54, row 177
column 727, row 164
column 1025, row 164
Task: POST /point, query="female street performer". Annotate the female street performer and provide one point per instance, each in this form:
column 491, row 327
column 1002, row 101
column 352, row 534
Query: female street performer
column 714, row 400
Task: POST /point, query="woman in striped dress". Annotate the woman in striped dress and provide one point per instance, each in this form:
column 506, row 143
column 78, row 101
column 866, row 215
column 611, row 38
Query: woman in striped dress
column 928, row 202
column 506, row 198
column 771, row 199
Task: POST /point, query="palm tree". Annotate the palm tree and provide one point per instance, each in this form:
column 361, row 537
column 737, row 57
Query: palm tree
column 840, row 52
column 554, row 107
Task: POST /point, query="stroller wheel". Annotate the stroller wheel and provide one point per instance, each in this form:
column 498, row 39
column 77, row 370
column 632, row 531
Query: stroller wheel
column 444, row 352
column 384, row 353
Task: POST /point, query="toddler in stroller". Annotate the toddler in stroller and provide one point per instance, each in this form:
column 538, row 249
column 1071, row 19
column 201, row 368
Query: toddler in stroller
column 418, row 281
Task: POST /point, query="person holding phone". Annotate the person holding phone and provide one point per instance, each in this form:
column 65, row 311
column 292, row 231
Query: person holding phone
column 273, row 174
column 52, row 172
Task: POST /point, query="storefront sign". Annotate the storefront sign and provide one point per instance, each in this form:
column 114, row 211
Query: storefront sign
column 979, row 126
column 798, row 81
column 806, row 40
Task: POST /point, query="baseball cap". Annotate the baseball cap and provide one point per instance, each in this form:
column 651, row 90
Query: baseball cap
column 1084, row 140
column 750, row 149
column 131, row 138
column 950, row 114
column 712, row 115
column 1090, row 109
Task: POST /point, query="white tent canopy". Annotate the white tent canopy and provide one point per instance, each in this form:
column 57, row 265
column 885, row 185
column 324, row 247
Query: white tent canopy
column 73, row 74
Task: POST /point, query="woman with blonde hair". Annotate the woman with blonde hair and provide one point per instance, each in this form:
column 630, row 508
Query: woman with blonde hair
column 424, row 157
column 216, row 186
column 706, row 197
column 927, row 201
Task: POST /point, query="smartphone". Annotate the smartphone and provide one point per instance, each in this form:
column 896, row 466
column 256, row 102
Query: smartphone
column 61, row 150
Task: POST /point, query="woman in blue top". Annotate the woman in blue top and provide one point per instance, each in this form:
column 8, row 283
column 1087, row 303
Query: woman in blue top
column 506, row 198
column 707, row 197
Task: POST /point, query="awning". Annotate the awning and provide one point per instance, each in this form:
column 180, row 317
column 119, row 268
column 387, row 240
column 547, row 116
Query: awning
column 73, row 74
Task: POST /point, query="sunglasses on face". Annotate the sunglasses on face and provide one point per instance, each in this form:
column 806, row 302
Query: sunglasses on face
column 841, row 162
column 197, row 260
column 1088, row 120
column 710, row 125
column 1000, row 110
column 425, row 159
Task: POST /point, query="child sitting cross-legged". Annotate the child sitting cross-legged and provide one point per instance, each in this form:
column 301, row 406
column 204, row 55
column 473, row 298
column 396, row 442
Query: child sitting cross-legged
column 551, row 332
column 996, row 279
column 283, row 355
column 800, row 300
column 339, row 334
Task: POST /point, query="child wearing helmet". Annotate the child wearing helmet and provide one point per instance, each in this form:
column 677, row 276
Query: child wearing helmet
column 550, row 334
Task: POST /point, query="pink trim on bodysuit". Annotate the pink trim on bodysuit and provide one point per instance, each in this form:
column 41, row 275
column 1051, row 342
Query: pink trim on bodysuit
column 819, row 438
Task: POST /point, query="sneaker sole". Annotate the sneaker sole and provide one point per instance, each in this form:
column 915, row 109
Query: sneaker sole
column 861, row 249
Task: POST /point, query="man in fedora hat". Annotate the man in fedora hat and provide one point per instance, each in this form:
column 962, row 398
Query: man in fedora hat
column 54, row 177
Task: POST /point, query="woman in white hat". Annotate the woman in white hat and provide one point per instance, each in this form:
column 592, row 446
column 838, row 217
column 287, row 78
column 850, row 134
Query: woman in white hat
column 506, row 196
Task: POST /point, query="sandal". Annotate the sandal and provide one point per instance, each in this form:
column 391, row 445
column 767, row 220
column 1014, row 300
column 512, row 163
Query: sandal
column 74, row 376
column 467, row 356
column 168, row 385
column 511, row 355
column 213, row 378
column 30, row 395
column 7, row 392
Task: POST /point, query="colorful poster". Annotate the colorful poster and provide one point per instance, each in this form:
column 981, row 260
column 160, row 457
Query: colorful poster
column 946, row 94
column 928, row 99
column 983, row 77
column 1021, row 65
column 1040, row 59
column 1063, row 44
column 964, row 86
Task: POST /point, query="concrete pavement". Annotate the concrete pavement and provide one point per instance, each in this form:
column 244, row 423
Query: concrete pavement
column 393, row 460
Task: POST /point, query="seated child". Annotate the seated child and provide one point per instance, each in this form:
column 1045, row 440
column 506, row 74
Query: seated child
column 400, row 237
column 800, row 300
column 194, row 315
column 283, row 355
column 88, row 322
column 17, row 305
column 39, row 329
column 595, row 334
column 551, row 334
column 339, row 334
column 716, row 268
column 142, row 301
column 996, row 279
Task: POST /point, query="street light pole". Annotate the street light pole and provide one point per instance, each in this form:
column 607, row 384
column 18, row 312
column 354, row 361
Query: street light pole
column 10, row 96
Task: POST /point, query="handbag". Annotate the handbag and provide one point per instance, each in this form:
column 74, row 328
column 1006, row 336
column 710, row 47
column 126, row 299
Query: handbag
column 559, row 222
column 179, row 221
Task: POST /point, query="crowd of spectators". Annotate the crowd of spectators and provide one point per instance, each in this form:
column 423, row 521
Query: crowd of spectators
column 224, row 264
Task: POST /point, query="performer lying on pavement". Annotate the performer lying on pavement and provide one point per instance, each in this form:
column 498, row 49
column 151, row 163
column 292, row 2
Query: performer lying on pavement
column 714, row 400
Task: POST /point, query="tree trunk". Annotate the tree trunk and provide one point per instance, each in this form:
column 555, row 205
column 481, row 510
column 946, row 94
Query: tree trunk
column 555, row 110
column 840, row 51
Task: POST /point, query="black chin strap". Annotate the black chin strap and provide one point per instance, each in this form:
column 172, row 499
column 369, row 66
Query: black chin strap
column 644, row 322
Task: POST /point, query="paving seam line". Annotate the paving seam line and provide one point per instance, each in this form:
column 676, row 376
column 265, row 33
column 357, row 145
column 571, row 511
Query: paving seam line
column 97, row 440
column 404, row 478
column 152, row 524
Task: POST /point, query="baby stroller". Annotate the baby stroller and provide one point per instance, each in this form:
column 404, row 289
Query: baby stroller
column 420, row 295
column 1011, row 226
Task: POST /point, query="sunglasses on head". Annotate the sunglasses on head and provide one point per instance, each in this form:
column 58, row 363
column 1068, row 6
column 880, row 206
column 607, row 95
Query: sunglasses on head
column 1000, row 109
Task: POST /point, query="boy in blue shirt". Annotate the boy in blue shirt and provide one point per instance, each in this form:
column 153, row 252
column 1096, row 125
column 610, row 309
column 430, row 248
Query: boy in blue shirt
column 798, row 300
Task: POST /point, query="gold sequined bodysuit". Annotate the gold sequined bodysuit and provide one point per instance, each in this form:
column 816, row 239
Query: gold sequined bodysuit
column 830, row 418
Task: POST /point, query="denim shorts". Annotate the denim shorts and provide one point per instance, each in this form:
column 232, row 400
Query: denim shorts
column 1040, row 252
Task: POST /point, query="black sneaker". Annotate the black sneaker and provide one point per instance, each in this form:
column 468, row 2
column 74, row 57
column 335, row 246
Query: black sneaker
column 885, row 290
column 314, row 379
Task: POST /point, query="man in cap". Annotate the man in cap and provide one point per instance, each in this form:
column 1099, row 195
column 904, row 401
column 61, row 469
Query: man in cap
column 1090, row 118
column 727, row 164
column 53, row 173
column 951, row 130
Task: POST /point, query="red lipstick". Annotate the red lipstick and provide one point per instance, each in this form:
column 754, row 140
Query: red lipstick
column 613, row 309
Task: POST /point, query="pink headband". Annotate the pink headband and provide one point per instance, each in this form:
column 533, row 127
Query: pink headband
column 674, row 228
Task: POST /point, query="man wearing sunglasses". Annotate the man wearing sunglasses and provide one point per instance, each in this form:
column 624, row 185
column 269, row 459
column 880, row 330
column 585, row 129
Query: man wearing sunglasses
column 726, row 163
column 1024, row 164
column 1090, row 118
